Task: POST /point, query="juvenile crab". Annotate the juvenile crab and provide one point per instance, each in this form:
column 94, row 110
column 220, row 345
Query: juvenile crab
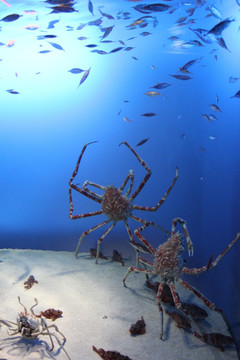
column 115, row 205
column 30, row 326
column 168, row 265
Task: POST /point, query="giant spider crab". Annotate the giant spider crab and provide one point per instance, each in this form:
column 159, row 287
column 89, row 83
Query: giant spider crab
column 115, row 205
column 30, row 326
column 168, row 264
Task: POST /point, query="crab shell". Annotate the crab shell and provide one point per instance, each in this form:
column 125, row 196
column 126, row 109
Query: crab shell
column 27, row 324
column 168, row 262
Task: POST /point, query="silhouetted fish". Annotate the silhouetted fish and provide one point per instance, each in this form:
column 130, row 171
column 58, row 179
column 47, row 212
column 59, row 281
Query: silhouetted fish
column 161, row 86
column 52, row 23
column 75, row 71
column 215, row 108
column 84, row 77
column 149, row 114
column 107, row 31
column 182, row 77
column 56, row 46
column 142, row 142
column 116, row 49
column 11, row 17
column 217, row 29
column 237, row 95
column 62, row 9
column 90, row 7
column 11, row 91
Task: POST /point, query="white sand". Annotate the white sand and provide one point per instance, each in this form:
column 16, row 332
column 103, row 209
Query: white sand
column 97, row 310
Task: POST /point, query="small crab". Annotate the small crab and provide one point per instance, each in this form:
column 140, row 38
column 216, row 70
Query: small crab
column 30, row 326
column 115, row 205
column 168, row 265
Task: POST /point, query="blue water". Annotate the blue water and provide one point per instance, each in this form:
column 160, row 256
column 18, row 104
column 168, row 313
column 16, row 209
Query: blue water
column 44, row 127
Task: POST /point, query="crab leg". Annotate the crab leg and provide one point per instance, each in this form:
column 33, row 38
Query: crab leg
column 159, row 296
column 161, row 201
column 85, row 233
column 142, row 239
column 131, row 268
column 196, row 271
column 143, row 163
column 131, row 177
column 78, row 162
column 147, row 223
column 101, row 239
column 25, row 309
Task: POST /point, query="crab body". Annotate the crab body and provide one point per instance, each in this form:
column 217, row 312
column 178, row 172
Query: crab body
column 116, row 206
column 168, row 262
column 28, row 325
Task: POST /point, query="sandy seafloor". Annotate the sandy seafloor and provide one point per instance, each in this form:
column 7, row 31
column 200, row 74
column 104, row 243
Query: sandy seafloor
column 97, row 310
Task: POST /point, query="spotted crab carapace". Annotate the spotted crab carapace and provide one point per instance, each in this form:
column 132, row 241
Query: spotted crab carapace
column 115, row 205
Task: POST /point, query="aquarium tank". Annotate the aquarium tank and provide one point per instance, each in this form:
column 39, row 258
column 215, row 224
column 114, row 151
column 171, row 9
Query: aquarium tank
column 161, row 76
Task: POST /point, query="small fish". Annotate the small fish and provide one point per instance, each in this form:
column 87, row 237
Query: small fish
column 161, row 86
column 30, row 12
column 84, row 77
column 212, row 137
column 145, row 33
column 52, row 23
column 152, row 8
column 153, row 93
column 49, row 36
column 222, row 43
column 217, row 29
column 181, row 77
column 107, row 31
column 215, row 12
column 232, row 79
column 181, row 19
column 75, row 71
column 44, row 51
column 91, row 45
column 189, row 64
column 116, row 49
column 10, row 43
column 95, row 22
column 31, row 27
column 82, row 38
column 142, row 142
column 215, row 108
column 181, row 321
column 109, row 17
column 129, row 48
column 100, row 52
column 11, row 91
column 212, row 117
column 81, row 26
column 206, row 117
column 56, row 46
column 62, row 9
column 126, row 119
column 11, row 17
column 90, row 7
column 202, row 149
column 237, row 95
column 215, row 339
column 149, row 114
